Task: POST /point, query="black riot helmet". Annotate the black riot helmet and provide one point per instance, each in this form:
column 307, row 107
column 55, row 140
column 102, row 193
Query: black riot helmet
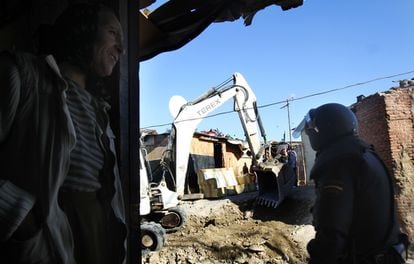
column 328, row 123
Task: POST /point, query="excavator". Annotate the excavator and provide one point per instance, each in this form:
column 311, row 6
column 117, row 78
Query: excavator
column 159, row 202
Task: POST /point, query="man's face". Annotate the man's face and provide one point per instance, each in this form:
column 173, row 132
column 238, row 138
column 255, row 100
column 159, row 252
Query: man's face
column 108, row 45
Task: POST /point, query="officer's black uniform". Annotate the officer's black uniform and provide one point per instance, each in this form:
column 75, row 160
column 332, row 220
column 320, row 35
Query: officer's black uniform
column 353, row 212
column 354, row 215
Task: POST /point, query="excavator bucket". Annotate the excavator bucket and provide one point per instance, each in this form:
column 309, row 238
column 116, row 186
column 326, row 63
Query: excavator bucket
column 275, row 182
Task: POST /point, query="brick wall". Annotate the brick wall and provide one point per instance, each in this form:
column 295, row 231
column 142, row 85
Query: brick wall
column 373, row 125
column 386, row 121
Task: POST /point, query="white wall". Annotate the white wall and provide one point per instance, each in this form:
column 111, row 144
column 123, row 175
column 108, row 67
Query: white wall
column 309, row 156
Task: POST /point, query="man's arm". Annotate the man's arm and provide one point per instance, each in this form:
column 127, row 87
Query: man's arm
column 9, row 93
column 15, row 203
column 333, row 214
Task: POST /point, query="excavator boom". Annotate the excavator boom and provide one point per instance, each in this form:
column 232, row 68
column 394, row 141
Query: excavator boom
column 273, row 179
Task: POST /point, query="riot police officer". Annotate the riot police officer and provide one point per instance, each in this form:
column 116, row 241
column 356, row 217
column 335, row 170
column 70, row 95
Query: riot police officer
column 354, row 213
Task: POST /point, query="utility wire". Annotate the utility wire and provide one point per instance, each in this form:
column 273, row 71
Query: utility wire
column 338, row 89
column 295, row 99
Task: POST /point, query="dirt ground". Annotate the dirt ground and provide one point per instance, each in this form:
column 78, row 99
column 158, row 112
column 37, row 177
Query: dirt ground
column 235, row 230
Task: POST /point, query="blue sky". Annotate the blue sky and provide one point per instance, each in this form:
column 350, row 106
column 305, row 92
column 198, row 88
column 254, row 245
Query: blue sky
column 317, row 47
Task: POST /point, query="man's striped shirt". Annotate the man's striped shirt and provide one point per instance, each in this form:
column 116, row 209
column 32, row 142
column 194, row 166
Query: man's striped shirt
column 87, row 158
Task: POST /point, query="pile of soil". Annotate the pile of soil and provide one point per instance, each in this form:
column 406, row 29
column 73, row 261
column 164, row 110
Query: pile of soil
column 236, row 230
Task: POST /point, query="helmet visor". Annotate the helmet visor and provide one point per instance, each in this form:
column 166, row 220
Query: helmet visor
column 306, row 123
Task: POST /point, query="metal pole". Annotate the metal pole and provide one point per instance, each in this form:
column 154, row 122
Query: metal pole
column 290, row 131
column 287, row 106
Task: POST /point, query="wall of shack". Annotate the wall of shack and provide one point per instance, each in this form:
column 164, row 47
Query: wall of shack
column 203, row 155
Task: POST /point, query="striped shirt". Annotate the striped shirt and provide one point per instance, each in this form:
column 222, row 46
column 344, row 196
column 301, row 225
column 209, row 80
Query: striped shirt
column 87, row 158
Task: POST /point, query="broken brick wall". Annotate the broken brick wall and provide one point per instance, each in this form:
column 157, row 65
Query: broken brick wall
column 386, row 121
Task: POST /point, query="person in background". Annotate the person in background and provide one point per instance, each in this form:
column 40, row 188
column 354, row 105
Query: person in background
column 354, row 212
column 283, row 155
column 61, row 194
column 292, row 162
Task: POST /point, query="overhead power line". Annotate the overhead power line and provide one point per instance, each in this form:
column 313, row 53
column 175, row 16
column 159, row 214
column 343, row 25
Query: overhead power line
column 295, row 99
